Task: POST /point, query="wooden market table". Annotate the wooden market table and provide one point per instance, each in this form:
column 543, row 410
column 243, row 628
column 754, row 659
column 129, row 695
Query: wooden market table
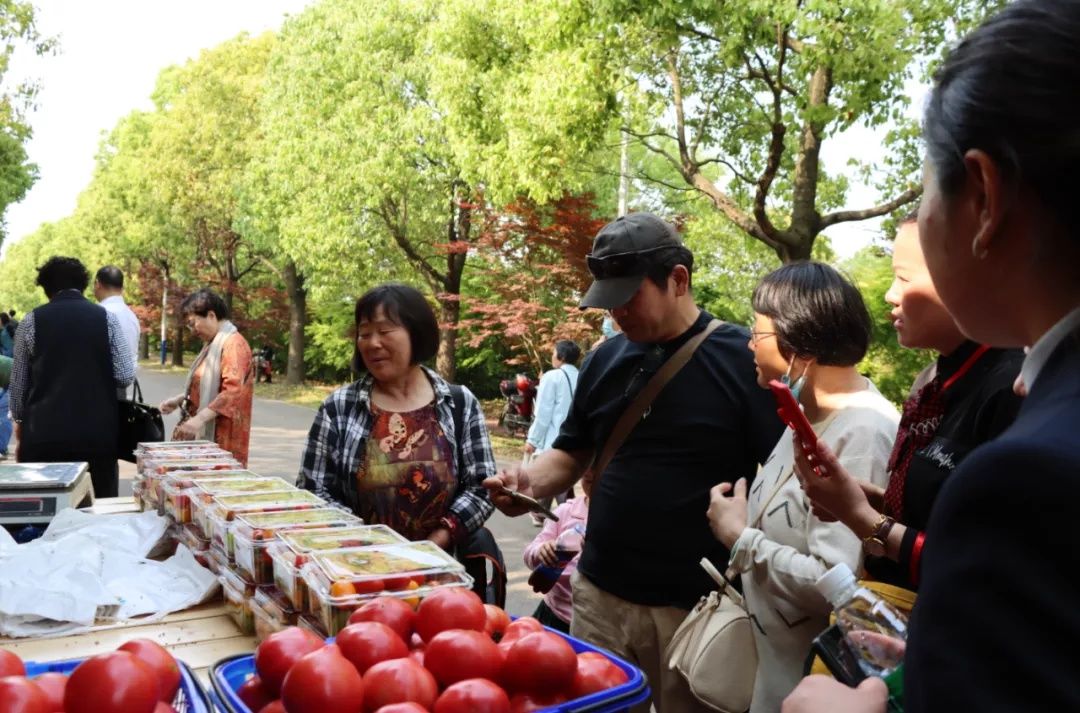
column 199, row 636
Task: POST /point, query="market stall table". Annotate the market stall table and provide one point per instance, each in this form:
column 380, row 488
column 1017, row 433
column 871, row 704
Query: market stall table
column 198, row 636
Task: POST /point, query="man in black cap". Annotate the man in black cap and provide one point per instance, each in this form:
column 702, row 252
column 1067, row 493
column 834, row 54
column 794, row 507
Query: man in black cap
column 639, row 572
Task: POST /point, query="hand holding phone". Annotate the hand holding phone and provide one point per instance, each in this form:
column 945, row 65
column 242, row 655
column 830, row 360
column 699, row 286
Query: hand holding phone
column 792, row 414
column 524, row 500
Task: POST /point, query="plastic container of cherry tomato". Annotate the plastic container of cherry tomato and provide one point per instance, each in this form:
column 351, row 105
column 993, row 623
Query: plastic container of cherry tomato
column 273, row 612
column 190, row 697
column 177, row 494
column 294, row 547
column 253, row 533
column 151, row 448
column 228, row 674
column 237, row 601
column 219, row 513
column 156, row 471
column 312, row 624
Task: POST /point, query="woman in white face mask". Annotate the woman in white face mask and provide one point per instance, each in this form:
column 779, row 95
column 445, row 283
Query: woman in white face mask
column 810, row 329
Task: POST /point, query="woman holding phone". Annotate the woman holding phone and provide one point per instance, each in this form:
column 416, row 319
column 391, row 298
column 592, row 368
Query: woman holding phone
column 810, row 330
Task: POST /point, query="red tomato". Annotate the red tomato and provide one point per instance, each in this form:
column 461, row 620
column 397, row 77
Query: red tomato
column 497, row 621
column 369, row 586
column 369, row 642
column 595, row 673
column 163, row 707
column 519, row 628
column 473, row 696
column 399, row 681
column 540, row 663
column 11, row 665
column 254, row 694
column 458, row 655
column 115, row 682
column 403, row 708
column 273, row 707
column 279, row 651
column 53, row 685
column 391, row 611
column 19, row 694
column 417, row 655
column 527, row 702
column 161, row 661
column 415, row 642
column 450, row 608
column 322, row 681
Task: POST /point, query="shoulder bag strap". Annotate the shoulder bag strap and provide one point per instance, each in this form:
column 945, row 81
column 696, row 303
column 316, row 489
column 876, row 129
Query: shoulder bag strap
column 568, row 381
column 632, row 415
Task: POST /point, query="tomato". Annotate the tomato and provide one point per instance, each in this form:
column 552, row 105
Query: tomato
column 279, row 651
column 163, row 707
column 497, row 621
column 395, row 584
column 451, row 608
column 11, row 665
column 369, row 642
column 399, row 681
column 322, row 681
column 253, row 693
column 540, row 663
column 595, row 673
column 457, row 655
column 115, row 682
column 161, row 661
column 519, row 628
column 527, row 702
column 273, row 707
column 403, row 708
column 393, row 612
column 369, row 586
column 473, row 696
column 342, row 589
column 19, row 694
column 53, row 685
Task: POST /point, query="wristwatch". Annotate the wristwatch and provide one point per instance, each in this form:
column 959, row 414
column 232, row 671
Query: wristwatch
column 874, row 544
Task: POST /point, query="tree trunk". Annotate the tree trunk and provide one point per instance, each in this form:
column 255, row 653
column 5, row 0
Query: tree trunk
column 144, row 346
column 805, row 219
column 178, row 344
column 294, row 284
column 449, row 312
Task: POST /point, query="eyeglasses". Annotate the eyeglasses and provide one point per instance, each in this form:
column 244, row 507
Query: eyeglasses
column 628, row 264
column 756, row 336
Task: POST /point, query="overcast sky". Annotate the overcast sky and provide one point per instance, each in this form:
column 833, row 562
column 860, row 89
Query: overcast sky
column 111, row 52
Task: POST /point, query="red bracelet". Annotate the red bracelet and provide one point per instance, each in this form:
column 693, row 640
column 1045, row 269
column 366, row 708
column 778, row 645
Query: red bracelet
column 916, row 556
column 450, row 522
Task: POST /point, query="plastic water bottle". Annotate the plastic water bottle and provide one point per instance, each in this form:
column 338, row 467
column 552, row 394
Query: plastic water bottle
column 567, row 545
column 872, row 627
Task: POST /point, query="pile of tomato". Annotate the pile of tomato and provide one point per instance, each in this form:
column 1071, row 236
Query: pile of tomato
column 139, row 677
column 453, row 654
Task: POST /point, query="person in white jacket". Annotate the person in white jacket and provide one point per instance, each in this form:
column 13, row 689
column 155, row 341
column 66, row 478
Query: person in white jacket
column 553, row 398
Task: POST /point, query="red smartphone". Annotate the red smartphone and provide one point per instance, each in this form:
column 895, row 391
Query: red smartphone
column 792, row 414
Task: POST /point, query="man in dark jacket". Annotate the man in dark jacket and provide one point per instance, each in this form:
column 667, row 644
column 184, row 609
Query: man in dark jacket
column 70, row 358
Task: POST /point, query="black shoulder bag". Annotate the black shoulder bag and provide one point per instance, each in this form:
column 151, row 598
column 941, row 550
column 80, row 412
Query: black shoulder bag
column 138, row 423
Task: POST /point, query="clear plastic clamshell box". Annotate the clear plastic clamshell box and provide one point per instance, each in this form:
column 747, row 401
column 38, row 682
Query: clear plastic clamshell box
column 223, row 509
column 252, row 535
column 178, row 494
column 292, row 551
column 339, row 581
column 152, row 447
column 156, row 471
column 272, row 612
column 238, row 604
column 192, row 538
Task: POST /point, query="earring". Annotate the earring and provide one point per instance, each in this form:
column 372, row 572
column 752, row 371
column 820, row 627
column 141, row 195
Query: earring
column 978, row 251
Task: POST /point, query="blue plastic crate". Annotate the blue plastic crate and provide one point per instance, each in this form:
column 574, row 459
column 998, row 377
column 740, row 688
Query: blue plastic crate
column 190, row 697
column 229, row 674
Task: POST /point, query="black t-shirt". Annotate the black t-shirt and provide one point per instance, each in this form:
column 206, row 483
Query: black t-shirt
column 712, row 423
column 979, row 406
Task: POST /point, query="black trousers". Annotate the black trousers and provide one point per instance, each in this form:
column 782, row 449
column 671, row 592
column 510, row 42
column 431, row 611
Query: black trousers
column 105, row 475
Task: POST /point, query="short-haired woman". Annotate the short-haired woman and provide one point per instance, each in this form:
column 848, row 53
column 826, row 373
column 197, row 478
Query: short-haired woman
column 810, row 329
column 217, row 398
column 388, row 446
column 553, row 398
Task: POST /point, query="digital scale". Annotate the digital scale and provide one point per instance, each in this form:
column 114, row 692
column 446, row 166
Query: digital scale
column 33, row 493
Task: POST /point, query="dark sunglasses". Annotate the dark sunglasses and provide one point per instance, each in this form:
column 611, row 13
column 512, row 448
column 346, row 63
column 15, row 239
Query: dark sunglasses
column 629, row 264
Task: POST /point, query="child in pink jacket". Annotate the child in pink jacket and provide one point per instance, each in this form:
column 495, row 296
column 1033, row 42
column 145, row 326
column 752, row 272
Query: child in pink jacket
column 556, row 608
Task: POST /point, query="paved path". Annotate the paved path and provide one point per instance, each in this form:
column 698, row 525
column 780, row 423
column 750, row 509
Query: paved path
column 278, row 433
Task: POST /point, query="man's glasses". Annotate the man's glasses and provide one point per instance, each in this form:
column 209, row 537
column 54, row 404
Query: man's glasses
column 757, row 336
column 628, row 264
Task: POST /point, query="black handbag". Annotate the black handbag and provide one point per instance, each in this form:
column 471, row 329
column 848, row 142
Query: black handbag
column 138, row 423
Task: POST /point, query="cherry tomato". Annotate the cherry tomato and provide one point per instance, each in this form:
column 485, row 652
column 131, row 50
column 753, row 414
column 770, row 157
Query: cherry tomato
column 369, row 586
column 115, row 682
column 519, row 628
column 279, row 651
column 253, row 693
column 322, row 681
column 342, row 589
column 393, row 612
column 161, row 661
column 473, row 696
column 11, row 665
column 497, row 621
column 369, row 642
column 595, row 673
column 53, row 685
column 451, row 608
column 273, row 707
column 19, row 694
column 403, row 708
column 457, row 655
column 540, row 663
column 399, row 681
column 528, row 702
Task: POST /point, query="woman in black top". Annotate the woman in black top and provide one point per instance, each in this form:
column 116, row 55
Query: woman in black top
column 963, row 400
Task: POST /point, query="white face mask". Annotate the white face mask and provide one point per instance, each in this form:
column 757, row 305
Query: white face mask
column 798, row 384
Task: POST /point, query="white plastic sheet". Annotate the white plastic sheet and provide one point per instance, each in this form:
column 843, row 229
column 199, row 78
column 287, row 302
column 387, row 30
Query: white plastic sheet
column 88, row 568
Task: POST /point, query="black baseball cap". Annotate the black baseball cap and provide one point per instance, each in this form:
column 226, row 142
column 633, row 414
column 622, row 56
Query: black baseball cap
column 622, row 253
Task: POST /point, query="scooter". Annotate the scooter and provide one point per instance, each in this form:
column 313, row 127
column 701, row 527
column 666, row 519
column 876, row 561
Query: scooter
column 520, row 393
